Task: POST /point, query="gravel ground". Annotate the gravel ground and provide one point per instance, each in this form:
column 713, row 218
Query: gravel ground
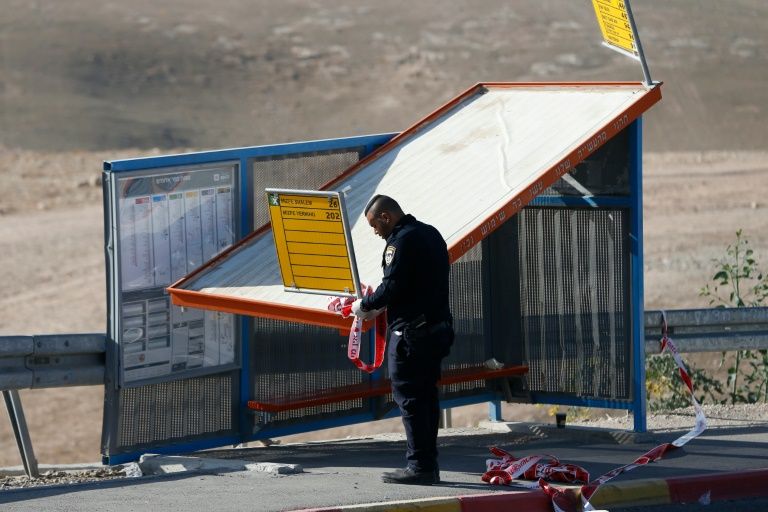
column 718, row 416
column 57, row 477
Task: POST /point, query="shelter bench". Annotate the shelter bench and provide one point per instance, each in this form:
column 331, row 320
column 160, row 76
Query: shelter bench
column 378, row 388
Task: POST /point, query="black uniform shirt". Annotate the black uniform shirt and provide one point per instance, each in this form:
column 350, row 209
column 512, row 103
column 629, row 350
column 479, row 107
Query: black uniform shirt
column 416, row 270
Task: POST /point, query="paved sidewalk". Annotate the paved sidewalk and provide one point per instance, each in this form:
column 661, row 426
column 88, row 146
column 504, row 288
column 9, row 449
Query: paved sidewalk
column 347, row 472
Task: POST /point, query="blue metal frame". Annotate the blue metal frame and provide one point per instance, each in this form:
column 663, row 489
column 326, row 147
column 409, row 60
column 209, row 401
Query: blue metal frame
column 634, row 204
column 636, row 272
column 301, row 428
column 494, row 411
column 243, row 156
column 370, row 142
column 191, row 446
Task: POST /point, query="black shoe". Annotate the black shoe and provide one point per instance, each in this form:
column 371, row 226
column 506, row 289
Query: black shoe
column 410, row 477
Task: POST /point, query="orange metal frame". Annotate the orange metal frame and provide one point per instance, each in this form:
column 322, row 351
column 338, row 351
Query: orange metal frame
column 377, row 388
column 191, row 298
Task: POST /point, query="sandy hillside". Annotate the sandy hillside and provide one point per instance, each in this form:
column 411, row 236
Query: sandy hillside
column 83, row 81
column 94, row 74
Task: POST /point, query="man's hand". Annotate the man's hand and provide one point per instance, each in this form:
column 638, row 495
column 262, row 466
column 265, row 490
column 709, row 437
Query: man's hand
column 359, row 312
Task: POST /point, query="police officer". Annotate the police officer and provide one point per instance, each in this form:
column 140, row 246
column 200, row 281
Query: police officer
column 414, row 290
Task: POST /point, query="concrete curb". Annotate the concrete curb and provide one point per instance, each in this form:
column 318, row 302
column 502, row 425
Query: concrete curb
column 703, row 489
column 719, row 487
column 153, row 464
column 524, row 500
column 656, row 491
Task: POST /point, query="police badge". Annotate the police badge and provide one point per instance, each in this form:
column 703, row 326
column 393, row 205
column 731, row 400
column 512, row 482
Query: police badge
column 389, row 254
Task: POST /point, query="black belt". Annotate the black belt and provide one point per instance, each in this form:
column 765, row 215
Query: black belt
column 419, row 325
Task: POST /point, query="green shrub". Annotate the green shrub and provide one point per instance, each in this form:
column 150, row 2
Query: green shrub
column 738, row 282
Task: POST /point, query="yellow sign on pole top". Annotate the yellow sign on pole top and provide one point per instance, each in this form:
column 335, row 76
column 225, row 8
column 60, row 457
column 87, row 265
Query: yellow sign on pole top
column 619, row 30
column 614, row 23
column 314, row 247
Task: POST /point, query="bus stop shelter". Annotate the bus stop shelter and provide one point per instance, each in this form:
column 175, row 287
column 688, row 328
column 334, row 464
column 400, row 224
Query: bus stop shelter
column 536, row 188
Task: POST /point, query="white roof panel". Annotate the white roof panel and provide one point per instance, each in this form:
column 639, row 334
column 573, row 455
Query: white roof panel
column 464, row 169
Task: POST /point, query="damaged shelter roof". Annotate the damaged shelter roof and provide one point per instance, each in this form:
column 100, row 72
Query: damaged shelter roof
column 465, row 168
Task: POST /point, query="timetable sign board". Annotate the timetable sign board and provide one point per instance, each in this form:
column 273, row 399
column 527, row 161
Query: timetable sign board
column 616, row 25
column 313, row 242
column 167, row 223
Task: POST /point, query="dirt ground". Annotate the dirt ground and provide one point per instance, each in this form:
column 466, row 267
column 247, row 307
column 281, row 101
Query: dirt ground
column 86, row 81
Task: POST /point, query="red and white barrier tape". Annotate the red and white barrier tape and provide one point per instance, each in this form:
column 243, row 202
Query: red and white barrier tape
column 343, row 305
column 568, row 500
column 503, row 471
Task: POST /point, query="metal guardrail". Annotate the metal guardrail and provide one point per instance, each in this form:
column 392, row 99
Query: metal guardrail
column 59, row 360
column 51, row 361
column 47, row 361
column 709, row 330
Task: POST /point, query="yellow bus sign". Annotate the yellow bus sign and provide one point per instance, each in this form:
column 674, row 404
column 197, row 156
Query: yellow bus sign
column 314, row 247
column 620, row 32
column 616, row 26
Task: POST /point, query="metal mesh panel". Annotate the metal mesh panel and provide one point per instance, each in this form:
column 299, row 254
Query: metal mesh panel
column 175, row 411
column 574, row 300
column 604, row 173
column 290, row 359
column 307, row 171
column 466, row 297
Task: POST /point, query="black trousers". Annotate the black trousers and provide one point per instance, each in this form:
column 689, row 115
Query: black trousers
column 414, row 368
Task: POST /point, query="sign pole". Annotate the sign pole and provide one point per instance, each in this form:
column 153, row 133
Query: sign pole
column 350, row 247
column 640, row 54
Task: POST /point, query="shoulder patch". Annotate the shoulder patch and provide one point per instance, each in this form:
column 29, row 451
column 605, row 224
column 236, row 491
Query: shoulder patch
column 389, row 254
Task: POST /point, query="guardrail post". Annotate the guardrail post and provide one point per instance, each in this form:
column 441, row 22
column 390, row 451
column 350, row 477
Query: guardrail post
column 20, row 430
